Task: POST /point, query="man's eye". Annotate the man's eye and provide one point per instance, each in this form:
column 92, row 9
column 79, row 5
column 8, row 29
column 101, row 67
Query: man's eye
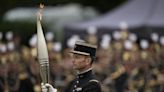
column 75, row 56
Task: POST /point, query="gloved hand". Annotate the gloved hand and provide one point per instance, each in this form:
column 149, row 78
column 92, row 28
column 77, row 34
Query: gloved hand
column 47, row 86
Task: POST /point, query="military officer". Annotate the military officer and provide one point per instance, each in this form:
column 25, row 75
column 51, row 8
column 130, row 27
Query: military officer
column 83, row 57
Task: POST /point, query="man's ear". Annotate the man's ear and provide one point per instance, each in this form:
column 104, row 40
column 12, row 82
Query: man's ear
column 89, row 60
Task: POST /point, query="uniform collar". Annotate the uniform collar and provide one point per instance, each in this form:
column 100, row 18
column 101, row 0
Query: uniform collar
column 79, row 73
column 86, row 72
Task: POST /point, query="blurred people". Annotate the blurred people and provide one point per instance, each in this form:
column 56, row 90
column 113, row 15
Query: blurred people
column 124, row 63
column 91, row 36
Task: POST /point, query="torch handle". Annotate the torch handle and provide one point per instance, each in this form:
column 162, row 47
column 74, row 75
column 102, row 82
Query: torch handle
column 44, row 71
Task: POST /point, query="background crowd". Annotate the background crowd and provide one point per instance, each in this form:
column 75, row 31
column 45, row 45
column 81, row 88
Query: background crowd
column 125, row 62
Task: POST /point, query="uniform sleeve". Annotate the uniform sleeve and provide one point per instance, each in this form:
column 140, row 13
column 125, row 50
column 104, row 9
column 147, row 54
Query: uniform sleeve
column 92, row 87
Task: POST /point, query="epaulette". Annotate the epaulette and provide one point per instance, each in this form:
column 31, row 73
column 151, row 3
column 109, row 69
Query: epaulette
column 93, row 80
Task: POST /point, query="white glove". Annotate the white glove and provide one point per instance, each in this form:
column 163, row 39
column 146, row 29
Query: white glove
column 47, row 86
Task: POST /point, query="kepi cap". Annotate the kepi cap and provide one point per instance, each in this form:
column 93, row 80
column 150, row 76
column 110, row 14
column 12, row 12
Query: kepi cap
column 84, row 48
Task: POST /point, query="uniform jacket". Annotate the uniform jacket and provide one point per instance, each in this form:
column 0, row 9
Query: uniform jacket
column 85, row 82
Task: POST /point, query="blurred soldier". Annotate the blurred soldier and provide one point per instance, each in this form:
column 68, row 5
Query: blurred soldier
column 135, row 48
column 32, row 43
column 155, row 38
column 83, row 57
column 57, row 71
column 50, row 40
column 127, row 53
column 124, row 30
column 139, row 75
column 18, row 79
column 104, row 56
column 11, row 37
column 160, row 78
column 55, row 53
column 106, row 42
column 117, row 46
column 155, row 49
column 3, row 68
column 144, row 44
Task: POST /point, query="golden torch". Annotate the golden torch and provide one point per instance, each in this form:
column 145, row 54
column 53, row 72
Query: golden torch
column 42, row 49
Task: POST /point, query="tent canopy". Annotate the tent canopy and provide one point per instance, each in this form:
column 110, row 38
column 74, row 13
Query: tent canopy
column 136, row 13
column 157, row 15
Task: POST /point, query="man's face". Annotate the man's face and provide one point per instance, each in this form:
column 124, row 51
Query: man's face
column 80, row 62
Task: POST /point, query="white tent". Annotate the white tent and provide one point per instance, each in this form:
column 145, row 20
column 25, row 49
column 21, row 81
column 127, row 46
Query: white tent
column 51, row 14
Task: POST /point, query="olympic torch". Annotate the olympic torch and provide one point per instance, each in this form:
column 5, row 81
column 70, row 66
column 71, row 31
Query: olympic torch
column 42, row 50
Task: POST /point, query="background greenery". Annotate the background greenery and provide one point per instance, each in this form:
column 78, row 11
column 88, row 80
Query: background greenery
column 101, row 5
column 26, row 29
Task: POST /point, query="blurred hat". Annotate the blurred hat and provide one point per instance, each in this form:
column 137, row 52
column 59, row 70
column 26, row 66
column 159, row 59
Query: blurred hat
column 106, row 37
column 116, row 35
column 33, row 41
column 9, row 35
column 71, row 41
column 10, row 46
column 3, row 48
column 57, row 46
column 154, row 37
column 49, row 36
column 84, row 48
column 132, row 37
column 144, row 44
column 128, row 45
column 92, row 30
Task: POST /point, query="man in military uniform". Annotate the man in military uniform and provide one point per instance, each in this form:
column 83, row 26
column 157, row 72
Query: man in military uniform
column 83, row 57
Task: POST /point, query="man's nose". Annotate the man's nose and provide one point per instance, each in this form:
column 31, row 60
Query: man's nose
column 73, row 60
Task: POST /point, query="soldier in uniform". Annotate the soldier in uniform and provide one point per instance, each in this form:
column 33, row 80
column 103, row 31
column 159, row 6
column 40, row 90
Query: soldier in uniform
column 83, row 57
